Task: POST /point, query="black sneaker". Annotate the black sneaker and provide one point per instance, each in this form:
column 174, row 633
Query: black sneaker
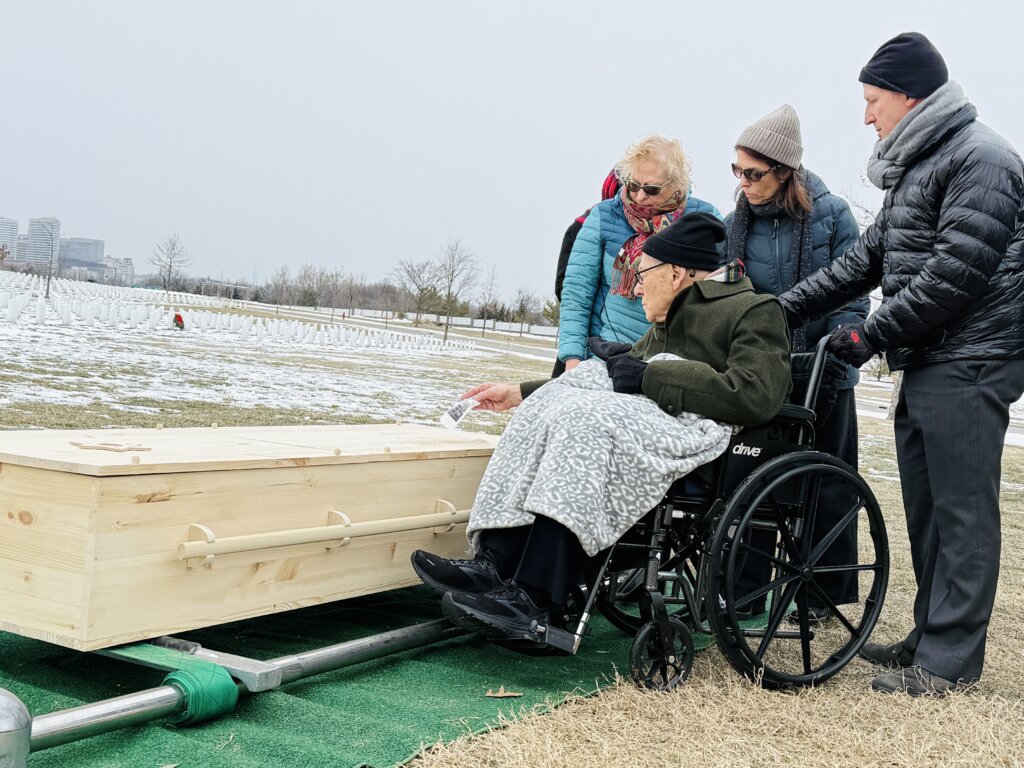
column 894, row 655
column 444, row 575
column 506, row 613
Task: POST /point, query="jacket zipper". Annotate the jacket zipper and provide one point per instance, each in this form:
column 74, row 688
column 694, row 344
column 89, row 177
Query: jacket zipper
column 779, row 267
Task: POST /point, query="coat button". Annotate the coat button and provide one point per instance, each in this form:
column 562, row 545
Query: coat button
column 671, row 408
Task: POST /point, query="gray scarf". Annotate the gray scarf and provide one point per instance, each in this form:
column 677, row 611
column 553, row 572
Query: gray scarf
column 930, row 120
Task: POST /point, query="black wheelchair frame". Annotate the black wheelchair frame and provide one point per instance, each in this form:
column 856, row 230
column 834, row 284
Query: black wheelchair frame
column 735, row 560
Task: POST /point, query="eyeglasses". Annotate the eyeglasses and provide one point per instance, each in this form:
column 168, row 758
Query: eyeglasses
column 753, row 175
column 640, row 272
column 649, row 189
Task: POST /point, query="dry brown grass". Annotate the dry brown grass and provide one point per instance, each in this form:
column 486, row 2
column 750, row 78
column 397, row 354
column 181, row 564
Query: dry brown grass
column 718, row 719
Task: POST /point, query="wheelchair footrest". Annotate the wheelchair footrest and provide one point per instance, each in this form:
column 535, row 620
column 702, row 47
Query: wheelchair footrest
column 557, row 638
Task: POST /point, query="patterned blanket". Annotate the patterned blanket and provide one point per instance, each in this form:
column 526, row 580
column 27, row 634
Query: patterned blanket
column 590, row 458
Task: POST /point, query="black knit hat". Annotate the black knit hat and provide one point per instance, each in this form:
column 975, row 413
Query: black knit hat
column 689, row 242
column 907, row 64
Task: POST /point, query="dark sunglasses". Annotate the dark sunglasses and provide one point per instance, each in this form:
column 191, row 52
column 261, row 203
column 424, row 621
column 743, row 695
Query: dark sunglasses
column 640, row 272
column 649, row 189
column 752, row 175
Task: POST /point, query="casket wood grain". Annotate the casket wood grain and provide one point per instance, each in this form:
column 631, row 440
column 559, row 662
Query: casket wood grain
column 112, row 536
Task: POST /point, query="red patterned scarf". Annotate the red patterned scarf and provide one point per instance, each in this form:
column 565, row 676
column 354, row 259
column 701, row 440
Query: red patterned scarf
column 646, row 220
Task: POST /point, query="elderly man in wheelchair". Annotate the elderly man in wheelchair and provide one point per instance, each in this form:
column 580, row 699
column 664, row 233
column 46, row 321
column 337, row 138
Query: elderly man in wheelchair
column 602, row 477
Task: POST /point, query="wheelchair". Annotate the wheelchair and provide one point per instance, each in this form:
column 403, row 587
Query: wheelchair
column 732, row 553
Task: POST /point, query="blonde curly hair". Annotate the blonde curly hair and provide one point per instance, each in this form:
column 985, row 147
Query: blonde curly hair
column 667, row 153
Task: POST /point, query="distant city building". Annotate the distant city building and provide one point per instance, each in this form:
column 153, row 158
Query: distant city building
column 21, row 249
column 120, row 271
column 9, row 235
column 43, row 243
column 81, row 249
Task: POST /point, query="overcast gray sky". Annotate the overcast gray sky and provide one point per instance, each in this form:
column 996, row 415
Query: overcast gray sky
column 355, row 134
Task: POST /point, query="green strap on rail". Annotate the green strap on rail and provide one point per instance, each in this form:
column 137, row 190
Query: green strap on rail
column 209, row 692
column 208, row 688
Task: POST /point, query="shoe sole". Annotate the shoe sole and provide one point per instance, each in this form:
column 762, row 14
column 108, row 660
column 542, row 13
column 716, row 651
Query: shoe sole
column 443, row 589
column 493, row 629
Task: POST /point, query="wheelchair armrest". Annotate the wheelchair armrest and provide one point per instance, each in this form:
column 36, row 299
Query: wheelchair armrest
column 795, row 413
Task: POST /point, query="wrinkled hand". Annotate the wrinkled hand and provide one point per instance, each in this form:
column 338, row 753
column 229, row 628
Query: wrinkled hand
column 607, row 349
column 850, row 344
column 495, row 397
column 626, row 373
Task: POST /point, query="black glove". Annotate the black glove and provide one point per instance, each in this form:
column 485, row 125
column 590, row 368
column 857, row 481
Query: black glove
column 626, row 373
column 850, row 343
column 606, row 349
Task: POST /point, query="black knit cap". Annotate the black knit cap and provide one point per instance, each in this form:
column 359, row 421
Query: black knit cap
column 689, row 242
column 907, row 64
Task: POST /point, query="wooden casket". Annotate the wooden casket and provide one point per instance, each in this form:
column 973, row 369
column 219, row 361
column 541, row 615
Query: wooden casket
column 112, row 536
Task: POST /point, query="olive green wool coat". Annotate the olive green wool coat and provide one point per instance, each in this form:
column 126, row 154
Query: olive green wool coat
column 735, row 351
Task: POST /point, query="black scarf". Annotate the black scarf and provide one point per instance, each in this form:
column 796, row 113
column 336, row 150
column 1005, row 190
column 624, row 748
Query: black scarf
column 799, row 257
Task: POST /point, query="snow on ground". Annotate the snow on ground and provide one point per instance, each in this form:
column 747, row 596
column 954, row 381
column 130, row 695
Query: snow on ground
column 119, row 367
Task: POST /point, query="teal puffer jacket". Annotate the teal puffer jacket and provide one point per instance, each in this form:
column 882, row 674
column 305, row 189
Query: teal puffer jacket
column 587, row 308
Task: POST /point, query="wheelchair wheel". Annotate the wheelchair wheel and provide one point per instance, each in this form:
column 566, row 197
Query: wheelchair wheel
column 775, row 552
column 660, row 666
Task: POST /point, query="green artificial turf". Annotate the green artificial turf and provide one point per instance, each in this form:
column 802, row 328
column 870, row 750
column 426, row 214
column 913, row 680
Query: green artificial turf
column 378, row 713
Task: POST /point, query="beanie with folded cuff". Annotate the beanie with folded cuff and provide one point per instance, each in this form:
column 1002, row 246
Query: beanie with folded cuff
column 908, row 64
column 776, row 136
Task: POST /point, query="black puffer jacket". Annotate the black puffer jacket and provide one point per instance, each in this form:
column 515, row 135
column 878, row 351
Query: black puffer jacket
column 948, row 250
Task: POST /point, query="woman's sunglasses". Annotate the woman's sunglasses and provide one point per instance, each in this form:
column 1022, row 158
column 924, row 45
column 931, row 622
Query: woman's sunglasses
column 752, row 175
column 649, row 189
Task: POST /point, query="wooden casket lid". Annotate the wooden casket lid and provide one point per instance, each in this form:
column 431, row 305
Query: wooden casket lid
column 109, row 452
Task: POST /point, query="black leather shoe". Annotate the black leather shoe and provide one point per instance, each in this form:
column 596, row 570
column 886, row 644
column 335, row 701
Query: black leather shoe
column 916, row 681
column 894, row 655
column 506, row 613
column 444, row 575
column 816, row 614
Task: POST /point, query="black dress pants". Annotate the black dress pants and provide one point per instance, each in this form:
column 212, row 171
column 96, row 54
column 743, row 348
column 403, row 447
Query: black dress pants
column 951, row 421
column 544, row 558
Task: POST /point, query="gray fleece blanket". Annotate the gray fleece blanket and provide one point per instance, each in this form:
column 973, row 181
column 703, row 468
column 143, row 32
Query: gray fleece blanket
column 592, row 459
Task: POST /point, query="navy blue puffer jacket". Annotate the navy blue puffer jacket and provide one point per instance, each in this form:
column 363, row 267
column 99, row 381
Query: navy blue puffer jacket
column 771, row 270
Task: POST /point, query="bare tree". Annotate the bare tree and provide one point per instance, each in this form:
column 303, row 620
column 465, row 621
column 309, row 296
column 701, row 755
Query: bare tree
column 524, row 307
column 279, row 289
column 5, row 252
column 456, row 270
column 489, row 297
column 170, row 259
column 420, row 280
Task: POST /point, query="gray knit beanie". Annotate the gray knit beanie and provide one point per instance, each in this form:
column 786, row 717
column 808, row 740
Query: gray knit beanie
column 776, row 136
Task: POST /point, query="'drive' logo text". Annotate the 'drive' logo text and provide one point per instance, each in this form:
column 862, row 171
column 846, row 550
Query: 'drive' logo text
column 745, row 450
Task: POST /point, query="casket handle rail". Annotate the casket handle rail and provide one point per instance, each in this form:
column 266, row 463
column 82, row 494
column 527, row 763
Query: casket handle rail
column 203, row 545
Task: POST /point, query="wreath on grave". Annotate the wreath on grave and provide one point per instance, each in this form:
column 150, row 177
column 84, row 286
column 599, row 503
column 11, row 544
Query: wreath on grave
column 179, row 321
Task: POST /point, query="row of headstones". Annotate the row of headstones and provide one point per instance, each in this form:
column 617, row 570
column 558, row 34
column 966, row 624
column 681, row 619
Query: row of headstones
column 310, row 333
column 18, row 282
column 133, row 315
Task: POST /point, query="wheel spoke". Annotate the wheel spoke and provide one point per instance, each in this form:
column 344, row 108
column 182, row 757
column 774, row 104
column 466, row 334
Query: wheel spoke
column 771, row 558
column 828, row 539
column 810, row 513
column 828, row 602
column 852, row 568
column 762, row 591
column 778, row 611
column 805, row 630
column 786, row 533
